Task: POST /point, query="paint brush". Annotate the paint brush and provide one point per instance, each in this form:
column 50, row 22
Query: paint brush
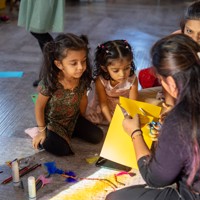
column 22, row 172
column 10, row 178
column 30, row 169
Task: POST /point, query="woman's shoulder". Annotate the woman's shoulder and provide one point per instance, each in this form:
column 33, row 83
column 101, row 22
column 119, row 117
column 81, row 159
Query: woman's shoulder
column 176, row 124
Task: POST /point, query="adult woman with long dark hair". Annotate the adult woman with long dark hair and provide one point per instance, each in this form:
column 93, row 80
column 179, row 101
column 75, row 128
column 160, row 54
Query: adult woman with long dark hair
column 172, row 172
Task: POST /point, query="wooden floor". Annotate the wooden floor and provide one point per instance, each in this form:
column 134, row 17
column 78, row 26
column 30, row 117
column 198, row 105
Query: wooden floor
column 140, row 22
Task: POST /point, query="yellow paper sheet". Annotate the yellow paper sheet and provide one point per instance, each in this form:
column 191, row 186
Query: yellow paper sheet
column 118, row 146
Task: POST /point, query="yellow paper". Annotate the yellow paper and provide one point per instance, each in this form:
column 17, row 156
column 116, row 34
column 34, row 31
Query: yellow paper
column 118, row 145
column 92, row 160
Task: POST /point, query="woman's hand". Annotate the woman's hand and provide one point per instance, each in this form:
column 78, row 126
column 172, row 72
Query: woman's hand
column 39, row 139
column 166, row 109
column 130, row 125
column 140, row 147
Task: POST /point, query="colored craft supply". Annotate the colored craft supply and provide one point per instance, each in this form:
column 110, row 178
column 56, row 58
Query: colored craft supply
column 22, row 172
column 92, row 160
column 15, row 173
column 10, row 178
column 42, row 181
column 7, row 180
column 38, row 184
column 9, row 163
column 31, row 188
column 29, row 169
column 52, row 169
column 34, row 97
column 11, row 74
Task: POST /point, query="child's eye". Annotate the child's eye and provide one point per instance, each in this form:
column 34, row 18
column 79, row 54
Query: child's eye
column 188, row 31
column 116, row 71
column 83, row 62
column 74, row 64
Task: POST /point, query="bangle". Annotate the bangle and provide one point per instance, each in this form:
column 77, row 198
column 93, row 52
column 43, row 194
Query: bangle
column 40, row 131
column 136, row 134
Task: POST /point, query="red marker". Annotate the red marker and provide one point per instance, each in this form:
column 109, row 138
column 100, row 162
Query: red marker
column 22, row 172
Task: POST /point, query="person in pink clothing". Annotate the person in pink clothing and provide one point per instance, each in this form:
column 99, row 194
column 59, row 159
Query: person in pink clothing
column 114, row 75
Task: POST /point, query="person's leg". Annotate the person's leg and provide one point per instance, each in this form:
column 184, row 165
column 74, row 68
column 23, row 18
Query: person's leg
column 139, row 192
column 88, row 131
column 56, row 145
column 42, row 38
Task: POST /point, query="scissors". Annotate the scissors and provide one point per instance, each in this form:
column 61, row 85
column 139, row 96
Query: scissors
column 126, row 114
column 143, row 112
column 155, row 128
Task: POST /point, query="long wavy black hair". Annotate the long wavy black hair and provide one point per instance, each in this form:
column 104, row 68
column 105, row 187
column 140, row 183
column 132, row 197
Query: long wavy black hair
column 57, row 50
column 178, row 56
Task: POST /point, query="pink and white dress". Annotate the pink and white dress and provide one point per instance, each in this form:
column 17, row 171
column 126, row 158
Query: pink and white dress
column 93, row 111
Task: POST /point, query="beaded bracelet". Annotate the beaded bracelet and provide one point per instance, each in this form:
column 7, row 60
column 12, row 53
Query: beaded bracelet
column 136, row 134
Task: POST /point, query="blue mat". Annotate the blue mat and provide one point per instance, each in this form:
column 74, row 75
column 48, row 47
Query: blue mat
column 11, row 74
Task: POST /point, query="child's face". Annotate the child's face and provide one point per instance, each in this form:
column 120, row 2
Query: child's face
column 119, row 70
column 192, row 29
column 74, row 64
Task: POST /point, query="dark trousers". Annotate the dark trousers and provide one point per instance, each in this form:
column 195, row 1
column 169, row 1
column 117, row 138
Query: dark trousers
column 42, row 38
column 139, row 192
column 84, row 129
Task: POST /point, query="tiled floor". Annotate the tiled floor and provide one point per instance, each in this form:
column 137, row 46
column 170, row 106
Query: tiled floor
column 141, row 22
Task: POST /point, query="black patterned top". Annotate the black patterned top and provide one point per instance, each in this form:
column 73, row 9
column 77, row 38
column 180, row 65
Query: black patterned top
column 62, row 109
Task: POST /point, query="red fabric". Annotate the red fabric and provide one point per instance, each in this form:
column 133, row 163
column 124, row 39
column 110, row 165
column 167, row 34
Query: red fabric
column 147, row 78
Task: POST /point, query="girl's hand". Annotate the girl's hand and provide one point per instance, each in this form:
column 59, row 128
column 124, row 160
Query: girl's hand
column 39, row 139
column 130, row 125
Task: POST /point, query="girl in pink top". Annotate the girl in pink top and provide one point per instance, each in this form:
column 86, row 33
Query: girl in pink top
column 114, row 74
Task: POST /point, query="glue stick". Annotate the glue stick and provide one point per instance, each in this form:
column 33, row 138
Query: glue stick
column 15, row 173
column 31, row 188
